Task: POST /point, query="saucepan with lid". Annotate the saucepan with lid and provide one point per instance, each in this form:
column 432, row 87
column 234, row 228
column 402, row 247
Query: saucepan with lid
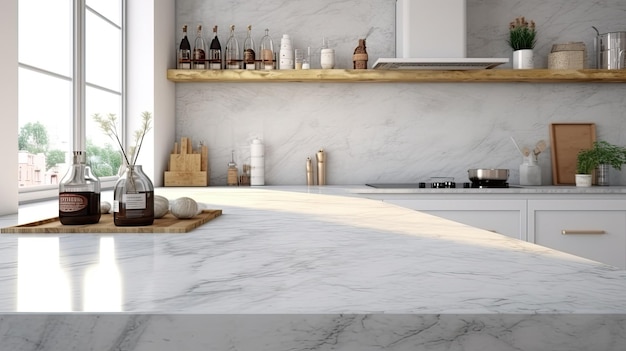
column 480, row 174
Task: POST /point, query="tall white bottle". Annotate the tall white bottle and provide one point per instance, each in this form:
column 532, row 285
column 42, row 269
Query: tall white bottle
column 286, row 58
column 257, row 163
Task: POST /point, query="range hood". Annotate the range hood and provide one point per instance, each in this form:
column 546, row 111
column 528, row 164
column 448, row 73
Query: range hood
column 432, row 35
column 439, row 63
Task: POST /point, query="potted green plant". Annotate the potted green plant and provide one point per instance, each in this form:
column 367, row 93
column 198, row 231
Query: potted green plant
column 600, row 156
column 522, row 39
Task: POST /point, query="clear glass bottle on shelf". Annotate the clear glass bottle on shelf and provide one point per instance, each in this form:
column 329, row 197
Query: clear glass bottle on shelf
column 79, row 193
column 266, row 49
column 249, row 56
column 184, row 52
column 215, row 52
column 231, row 55
column 199, row 50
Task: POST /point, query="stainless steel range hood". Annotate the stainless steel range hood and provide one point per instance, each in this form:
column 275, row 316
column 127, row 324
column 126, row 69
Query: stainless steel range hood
column 439, row 63
column 432, row 35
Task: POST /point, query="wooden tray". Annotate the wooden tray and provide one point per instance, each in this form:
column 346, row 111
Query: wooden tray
column 167, row 224
column 567, row 139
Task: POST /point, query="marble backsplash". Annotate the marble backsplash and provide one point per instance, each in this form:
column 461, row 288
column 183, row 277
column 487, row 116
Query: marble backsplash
column 383, row 132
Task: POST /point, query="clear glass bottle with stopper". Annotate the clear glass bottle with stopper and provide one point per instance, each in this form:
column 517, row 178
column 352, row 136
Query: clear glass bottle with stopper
column 79, row 193
column 249, row 56
column 232, row 51
column 199, row 50
column 215, row 52
column 267, row 51
column 184, row 52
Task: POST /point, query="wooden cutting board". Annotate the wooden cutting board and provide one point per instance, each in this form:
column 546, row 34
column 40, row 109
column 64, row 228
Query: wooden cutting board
column 166, row 224
column 567, row 139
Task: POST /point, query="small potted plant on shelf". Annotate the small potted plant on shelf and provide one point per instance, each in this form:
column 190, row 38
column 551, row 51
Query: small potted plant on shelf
column 522, row 39
column 600, row 157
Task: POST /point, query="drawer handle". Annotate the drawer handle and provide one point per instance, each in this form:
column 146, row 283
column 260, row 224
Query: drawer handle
column 567, row 232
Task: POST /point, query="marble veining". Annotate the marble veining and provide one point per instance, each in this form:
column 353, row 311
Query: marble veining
column 395, row 132
column 304, row 268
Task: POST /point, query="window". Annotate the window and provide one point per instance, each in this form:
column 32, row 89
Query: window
column 45, row 86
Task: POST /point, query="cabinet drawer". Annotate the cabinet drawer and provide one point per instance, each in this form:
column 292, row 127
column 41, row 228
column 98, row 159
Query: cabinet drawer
column 593, row 229
column 507, row 217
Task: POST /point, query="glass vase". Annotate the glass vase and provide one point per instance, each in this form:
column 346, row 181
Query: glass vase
column 133, row 198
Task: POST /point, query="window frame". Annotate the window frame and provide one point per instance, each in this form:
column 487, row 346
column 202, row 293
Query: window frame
column 38, row 193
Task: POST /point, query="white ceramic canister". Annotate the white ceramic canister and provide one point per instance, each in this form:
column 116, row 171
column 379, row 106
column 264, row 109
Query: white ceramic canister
column 257, row 162
column 327, row 58
column 286, row 56
column 529, row 171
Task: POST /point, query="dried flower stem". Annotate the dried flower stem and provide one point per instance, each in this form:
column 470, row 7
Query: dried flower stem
column 108, row 124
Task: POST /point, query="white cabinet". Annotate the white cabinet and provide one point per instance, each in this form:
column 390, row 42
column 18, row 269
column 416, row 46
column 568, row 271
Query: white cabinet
column 506, row 217
column 594, row 229
column 590, row 226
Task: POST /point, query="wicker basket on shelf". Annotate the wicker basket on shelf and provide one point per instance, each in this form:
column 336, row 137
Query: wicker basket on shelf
column 568, row 56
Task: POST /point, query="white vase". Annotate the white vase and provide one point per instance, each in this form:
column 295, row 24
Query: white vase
column 523, row 59
column 583, row 180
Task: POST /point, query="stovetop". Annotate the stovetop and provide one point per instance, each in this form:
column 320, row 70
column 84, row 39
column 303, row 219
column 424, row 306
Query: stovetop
column 440, row 185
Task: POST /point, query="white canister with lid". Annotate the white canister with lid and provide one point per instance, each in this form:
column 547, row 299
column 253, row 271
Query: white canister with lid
column 286, row 58
column 327, row 57
column 257, row 162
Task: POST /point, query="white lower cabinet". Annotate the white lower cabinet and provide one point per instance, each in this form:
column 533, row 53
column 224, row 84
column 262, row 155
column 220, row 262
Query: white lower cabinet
column 594, row 229
column 506, row 217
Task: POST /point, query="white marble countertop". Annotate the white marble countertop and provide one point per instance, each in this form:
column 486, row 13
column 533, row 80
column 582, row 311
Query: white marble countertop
column 300, row 250
column 513, row 189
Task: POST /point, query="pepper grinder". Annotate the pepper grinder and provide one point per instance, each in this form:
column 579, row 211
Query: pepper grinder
column 321, row 167
column 309, row 172
column 233, row 173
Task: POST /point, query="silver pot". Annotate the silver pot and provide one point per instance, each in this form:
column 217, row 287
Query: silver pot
column 610, row 49
column 477, row 174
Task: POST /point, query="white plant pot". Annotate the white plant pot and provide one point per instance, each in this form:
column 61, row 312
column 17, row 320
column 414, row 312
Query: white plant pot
column 523, row 59
column 583, row 180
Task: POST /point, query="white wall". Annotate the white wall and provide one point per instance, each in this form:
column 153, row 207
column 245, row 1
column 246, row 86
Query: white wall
column 151, row 37
column 394, row 132
column 8, row 104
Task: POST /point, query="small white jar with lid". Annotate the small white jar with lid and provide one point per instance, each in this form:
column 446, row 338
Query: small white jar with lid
column 327, row 57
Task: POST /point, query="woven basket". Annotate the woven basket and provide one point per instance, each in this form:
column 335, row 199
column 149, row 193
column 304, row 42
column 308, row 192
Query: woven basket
column 568, row 56
column 566, row 60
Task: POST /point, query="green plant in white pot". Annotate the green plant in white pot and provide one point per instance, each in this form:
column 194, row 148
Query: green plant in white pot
column 600, row 156
column 522, row 39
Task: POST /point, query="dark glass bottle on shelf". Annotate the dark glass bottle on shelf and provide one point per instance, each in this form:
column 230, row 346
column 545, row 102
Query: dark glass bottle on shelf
column 249, row 55
column 79, row 193
column 184, row 52
column 199, row 50
column 215, row 52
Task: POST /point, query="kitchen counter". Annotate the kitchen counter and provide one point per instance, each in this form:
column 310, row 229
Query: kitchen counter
column 315, row 268
column 513, row 189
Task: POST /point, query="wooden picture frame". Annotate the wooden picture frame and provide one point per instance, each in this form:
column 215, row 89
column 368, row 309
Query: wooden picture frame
column 566, row 141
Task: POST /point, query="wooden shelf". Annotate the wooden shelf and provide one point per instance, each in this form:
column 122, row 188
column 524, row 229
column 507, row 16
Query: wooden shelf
column 400, row 76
